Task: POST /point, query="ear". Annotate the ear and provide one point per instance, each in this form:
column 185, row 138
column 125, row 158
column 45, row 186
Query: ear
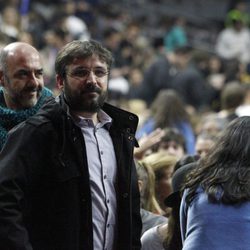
column 2, row 83
column 59, row 82
column 140, row 184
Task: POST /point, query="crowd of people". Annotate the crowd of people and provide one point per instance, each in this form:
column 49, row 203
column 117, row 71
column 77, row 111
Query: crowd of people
column 112, row 138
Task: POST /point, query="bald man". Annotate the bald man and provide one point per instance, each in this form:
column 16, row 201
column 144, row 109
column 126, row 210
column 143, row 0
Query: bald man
column 22, row 90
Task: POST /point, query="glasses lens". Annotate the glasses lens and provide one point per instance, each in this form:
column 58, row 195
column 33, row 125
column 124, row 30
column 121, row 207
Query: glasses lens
column 84, row 73
column 100, row 72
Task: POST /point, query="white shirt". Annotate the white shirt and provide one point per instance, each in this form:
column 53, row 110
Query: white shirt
column 102, row 174
column 151, row 240
column 231, row 44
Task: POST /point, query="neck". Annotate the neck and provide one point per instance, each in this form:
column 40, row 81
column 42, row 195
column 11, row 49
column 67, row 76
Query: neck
column 92, row 116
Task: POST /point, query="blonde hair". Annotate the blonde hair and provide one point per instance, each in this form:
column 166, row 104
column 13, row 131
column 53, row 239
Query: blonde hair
column 160, row 160
column 148, row 200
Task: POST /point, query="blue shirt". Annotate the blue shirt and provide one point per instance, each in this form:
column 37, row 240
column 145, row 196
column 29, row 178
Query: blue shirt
column 206, row 225
column 102, row 174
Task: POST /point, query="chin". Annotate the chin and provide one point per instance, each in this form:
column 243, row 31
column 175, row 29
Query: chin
column 30, row 103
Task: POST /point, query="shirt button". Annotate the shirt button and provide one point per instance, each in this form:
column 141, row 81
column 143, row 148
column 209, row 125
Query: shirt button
column 108, row 225
column 101, row 152
column 105, row 176
column 107, row 200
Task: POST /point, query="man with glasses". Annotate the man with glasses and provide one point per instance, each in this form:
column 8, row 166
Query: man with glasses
column 67, row 175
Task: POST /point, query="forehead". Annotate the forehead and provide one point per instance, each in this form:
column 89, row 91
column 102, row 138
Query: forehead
column 23, row 59
column 204, row 143
column 91, row 61
column 170, row 144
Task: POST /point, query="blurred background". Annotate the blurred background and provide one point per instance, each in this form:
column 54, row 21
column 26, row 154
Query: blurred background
column 197, row 48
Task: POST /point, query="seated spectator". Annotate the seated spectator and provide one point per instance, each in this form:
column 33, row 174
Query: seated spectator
column 168, row 235
column 150, row 209
column 163, row 166
column 204, row 142
column 148, row 143
column 232, row 97
column 233, row 41
column 168, row 111
column 173, row 143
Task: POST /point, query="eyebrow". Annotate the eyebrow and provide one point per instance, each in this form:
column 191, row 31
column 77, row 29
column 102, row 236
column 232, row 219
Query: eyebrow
column 40, row 70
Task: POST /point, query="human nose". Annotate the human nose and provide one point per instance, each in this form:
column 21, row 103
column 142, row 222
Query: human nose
column 91, row 77
column 33, row 80
column 171, row 150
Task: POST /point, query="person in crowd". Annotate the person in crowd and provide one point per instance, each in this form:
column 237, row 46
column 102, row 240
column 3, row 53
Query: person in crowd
column 22, row 91
column 204, row 142
column 150, row 209
column 214, row 212
column 176, row 36
column 232, row 96
column 149, row 143
column 156, row 77
column 168, row 111
column 234, row 40
column 173, row 143
column 210, row 123
column 67, row 175
column 244, row 108
column 189, row 81
column 163, row 166
column 168, row 235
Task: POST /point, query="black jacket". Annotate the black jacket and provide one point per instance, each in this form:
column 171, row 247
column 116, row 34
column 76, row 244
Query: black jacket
column 45, row 201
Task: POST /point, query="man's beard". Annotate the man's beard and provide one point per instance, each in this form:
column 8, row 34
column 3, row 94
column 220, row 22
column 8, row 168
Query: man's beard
column 22, row 99
column 78, row 102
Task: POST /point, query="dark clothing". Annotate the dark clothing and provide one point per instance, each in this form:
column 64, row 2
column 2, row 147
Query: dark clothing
column 191, row 86
column 157, row 77
column 45, row 199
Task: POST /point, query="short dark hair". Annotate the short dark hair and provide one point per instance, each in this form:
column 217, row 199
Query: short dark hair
column 232, row 95
column 81, row 49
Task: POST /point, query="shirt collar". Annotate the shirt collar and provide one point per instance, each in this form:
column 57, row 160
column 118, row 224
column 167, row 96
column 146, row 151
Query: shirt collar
column 104, row 120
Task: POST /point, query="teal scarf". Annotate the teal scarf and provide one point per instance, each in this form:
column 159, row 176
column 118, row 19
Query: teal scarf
column 10, row 118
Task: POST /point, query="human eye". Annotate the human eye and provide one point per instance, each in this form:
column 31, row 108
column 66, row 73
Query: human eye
column 81, row 73
column 22, row 73
column 100, row 72
column 39, row 73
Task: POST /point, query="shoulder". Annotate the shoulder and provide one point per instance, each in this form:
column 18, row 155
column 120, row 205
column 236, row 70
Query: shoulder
column 39, row 124
column 122, row 118
column 150, row 220
column 151, row 240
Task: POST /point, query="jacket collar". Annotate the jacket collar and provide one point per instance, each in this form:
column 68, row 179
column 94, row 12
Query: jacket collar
column 120, row 118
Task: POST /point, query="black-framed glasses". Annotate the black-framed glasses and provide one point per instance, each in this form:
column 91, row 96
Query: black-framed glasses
column 83, row 73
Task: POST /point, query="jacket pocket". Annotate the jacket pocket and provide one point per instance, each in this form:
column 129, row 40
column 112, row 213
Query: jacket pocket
column 65, row 169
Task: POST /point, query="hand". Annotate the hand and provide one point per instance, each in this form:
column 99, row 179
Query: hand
column 148, row 141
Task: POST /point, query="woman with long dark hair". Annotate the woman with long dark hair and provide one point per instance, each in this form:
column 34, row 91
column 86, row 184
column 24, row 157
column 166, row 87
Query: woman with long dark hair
column 215, row 208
